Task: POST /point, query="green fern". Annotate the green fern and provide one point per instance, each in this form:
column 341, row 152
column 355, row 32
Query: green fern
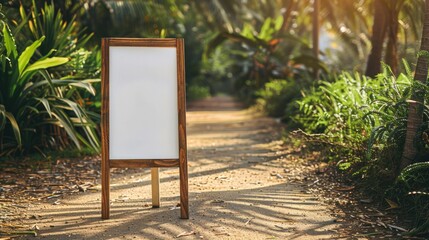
column 412, row 190
column 416, row 177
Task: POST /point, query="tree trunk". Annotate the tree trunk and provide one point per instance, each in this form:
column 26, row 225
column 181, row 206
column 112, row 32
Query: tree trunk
column 391, row 57
column 379, row 28
column 287, row 14
column 316, row 30
column 415, row 112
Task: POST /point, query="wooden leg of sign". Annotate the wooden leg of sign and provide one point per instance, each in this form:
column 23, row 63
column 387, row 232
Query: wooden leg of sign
column 183, row 162
column 155, row 187
column 184, row 202
column 105, row 190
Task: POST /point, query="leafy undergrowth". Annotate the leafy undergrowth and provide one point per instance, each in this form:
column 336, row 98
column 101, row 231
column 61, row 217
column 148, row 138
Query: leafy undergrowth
column 361, row 123
column 363, row 215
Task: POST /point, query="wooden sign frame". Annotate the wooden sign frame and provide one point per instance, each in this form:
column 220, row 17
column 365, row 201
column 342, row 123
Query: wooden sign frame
column 107, row 163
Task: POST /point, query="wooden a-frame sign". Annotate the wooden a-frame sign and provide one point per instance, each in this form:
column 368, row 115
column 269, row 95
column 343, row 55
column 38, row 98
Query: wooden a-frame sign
column 143, row 112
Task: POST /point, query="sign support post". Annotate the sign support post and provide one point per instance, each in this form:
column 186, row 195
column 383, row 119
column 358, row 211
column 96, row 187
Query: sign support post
column 155, row 187
column 143, row 112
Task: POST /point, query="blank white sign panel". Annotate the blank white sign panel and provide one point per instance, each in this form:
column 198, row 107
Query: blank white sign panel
column 143, row 112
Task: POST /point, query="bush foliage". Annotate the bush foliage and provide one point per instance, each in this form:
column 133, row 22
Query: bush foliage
column 363, row 122
column 41, row 105
column 278, row 97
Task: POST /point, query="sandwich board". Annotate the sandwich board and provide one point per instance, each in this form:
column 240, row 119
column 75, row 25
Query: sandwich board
column 143, row 112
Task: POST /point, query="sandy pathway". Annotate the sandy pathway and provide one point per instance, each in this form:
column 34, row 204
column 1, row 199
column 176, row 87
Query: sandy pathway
column 238, row 190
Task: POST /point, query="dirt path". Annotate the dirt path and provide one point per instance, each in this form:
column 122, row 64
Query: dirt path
column 241, row 186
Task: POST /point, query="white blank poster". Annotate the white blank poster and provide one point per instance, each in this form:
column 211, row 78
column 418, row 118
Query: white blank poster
column 143, row 113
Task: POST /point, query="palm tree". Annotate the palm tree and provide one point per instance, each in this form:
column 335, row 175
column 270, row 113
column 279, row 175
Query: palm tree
column 290, row 5
column 316, row 31
column 415, row 110
column 379, row 30
column 386, row 27
column 391, row 57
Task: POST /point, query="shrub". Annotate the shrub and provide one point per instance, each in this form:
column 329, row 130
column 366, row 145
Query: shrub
column 355, row 108
column 33, row 105
column 278, row 97
column 362, row 123
column 63, row 39
column 367, row 116
column 195, row 92
column 337, row 108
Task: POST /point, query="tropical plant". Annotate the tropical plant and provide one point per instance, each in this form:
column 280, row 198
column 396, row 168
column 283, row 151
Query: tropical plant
column 362, row 123
column 332, row 114
column 361, row 113
column 335, row 107
column 264, row 53
column 61, row 38
column 66, row 39
column 31, row 101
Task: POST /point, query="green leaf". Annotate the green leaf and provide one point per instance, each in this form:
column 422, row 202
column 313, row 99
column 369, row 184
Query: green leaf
column 65, row 82
column 2, row 117
column 23, row 22
column 46, row 63
column 84, row 85
column 278, row 23
column 163, row 33
column 9, row 42
column 27, row 54
column 75, row 107
column 64, row 121
column 15, row 127
column 22, row 12
column 45, row 103
column 266, row 30
column 248, row 31
column 423, row 53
